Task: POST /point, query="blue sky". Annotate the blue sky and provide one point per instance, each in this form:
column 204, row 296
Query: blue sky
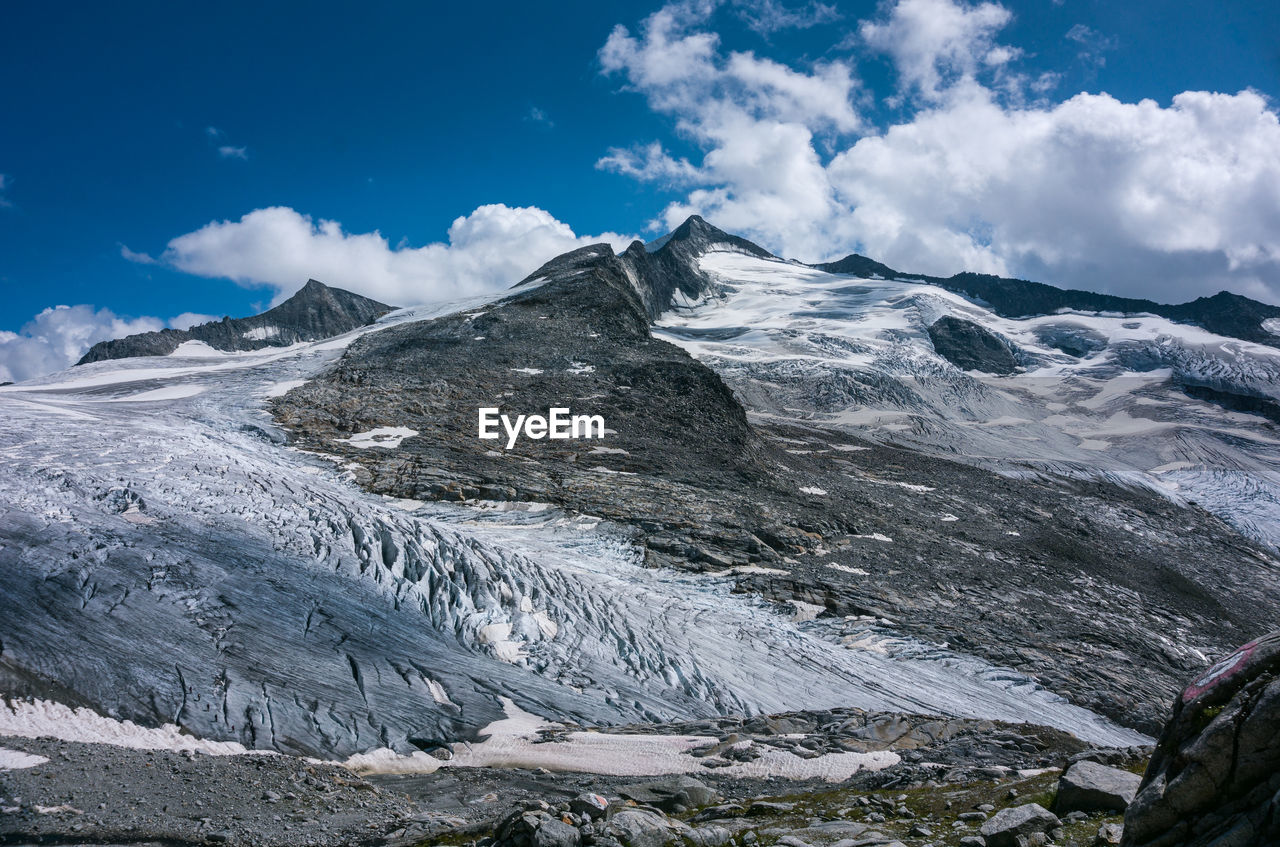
column 815, row 129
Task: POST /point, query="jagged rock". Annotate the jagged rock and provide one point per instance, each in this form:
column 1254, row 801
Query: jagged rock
column 594, row 806
column 314, row 313
column 1215, row 775
column 666, row 794
column 1008, row 825
column 1090, row 787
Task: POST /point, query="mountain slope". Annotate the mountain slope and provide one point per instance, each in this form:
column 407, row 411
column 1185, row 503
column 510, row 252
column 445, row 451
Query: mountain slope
column 799, row 511
column 315, row 312
column 1223, row 314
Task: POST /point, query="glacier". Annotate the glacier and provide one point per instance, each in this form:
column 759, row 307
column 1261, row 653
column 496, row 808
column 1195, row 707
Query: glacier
column 189, row 567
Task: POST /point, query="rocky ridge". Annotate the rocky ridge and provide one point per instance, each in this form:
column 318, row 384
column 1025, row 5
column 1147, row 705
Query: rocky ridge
column 315, row 312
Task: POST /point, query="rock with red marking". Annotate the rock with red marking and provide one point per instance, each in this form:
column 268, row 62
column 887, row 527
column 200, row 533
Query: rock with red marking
column 1215, row 775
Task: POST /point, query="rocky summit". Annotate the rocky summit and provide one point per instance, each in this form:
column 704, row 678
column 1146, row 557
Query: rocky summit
column 314, row 313
column 683, row 544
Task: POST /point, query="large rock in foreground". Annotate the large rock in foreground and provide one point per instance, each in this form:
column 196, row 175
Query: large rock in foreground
column 1012, row 827
column 1215, row 776
column 1091, row 787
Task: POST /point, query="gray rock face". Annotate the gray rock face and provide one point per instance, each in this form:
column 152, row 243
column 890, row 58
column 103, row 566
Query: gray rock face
column 970, row 347
column 1009, row 825
column 1215, row 776
column 314, row 313
column 1091, row 787
column 643, row 828
column 666, row 794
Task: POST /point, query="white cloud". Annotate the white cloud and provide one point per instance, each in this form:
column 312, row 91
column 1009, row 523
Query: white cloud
column 136, row 258
column 649, row 163
column 935, row 43
column 1092, row 44
column 226, row 151
column 492, row 248
column 1167, row 201
column 186, row 320
column 681, row 73
column 57, row 338
column 769, row 16
column 538, row 116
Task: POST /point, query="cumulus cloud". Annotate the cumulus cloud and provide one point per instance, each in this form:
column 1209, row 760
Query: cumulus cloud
column 492, row 248
column 226, row 151
column 936, row 43
column 649, row 163
column 1168, row 201
column 57, row 338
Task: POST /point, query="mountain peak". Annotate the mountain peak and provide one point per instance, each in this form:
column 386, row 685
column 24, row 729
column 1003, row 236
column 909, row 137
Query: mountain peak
column 314, row 312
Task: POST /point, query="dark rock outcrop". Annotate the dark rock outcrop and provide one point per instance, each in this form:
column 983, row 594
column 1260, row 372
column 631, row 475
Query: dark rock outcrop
column 970, row 347
column 1215, row 775
column 316, row 312
column 659, row 270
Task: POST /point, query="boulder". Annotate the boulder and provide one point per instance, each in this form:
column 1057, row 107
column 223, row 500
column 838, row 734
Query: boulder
column 666, row 794
column 1090, row 787
column 1008, row 826
column 535, row 828
column 594, row 806
column 644, row 828
column 1215, row 775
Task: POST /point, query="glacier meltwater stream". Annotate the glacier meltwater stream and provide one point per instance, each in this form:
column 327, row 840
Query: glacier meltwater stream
column 338, row 622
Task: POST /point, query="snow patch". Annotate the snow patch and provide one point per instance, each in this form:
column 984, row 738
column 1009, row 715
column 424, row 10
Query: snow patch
column 169, row 392
column 875, row 536
column 262, row 333
column 814, row 490
column 45, row 718
column 279, row 389
column 383, row 436
column 847, row 569
column 12, row 760
column 513, row 742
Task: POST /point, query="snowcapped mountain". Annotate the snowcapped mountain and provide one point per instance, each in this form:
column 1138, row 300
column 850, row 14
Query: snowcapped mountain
column 800, row 502
column 1134, row 397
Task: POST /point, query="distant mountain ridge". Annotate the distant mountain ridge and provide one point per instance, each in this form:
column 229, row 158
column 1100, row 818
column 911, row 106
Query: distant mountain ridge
column 316, row 312
column 1224, row 313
